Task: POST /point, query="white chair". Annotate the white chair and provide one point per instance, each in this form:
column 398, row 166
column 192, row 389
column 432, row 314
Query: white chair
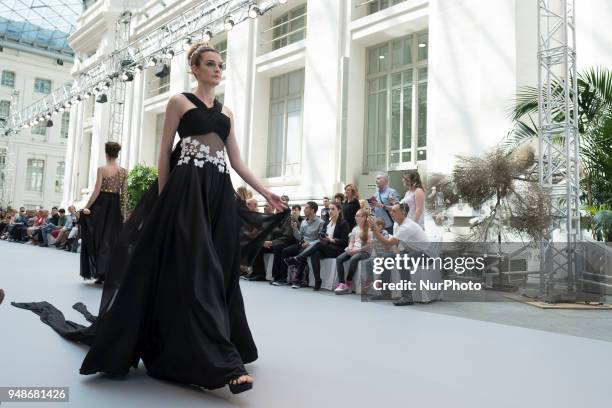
column 329, row 276
column 268, row 262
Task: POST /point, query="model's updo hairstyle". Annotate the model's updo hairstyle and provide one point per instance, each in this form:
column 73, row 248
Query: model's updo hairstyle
column 195, row 53
column 112, row 149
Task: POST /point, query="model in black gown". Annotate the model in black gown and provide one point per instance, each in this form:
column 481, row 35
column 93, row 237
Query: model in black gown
column 102, row 219
column 172, row 295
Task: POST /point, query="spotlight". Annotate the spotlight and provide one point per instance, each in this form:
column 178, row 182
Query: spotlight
column 152, row 62
column 282, row 1
column 254, row 11
column 208, row 35
column 49, row 123
column 229, row 23
column 102, row 98
column 422, row 45
column 162, row 70
column 138, row 68
column 126, row 62
column 187, row 42
column 127, row 76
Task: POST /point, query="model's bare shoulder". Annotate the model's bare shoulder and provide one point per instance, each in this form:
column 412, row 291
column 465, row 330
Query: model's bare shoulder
column 177, row 100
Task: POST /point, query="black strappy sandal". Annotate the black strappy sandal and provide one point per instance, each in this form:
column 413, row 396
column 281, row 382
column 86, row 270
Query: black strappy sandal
column 238, row 388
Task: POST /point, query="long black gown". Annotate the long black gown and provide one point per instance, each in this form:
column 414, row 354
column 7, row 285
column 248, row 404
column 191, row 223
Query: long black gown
column 99, row 230
column 172, row 295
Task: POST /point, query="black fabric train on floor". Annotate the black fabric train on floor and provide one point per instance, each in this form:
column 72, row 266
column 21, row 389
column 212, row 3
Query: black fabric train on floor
column 171, row 296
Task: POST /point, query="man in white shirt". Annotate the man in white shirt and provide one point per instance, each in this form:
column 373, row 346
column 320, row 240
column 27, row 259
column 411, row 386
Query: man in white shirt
column 410, row 240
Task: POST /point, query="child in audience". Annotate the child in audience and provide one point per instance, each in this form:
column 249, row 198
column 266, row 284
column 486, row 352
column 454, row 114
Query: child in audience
column 378, row 250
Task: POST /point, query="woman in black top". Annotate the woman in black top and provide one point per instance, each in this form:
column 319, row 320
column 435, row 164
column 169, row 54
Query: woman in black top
column 332, row 242
column 350, row 205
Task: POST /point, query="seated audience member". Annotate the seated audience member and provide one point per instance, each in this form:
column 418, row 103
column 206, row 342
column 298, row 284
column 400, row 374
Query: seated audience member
column 378, row 248
column 359, row 247
column 74, row 236
column 410, row 240
column 64, row 231
column 248, row 232
column 333, row 238
column 244, row 193
column 17, row 228
column 6, row 220
column 35, row 224
column 54, row 233
column 51, row 223
column 305, row 235
column 280, row 238
column 296, row 215
column 251, row 204
column 268, row 208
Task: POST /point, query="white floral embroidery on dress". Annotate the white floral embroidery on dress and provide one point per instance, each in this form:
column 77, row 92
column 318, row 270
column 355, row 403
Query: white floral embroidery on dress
column 201, row 154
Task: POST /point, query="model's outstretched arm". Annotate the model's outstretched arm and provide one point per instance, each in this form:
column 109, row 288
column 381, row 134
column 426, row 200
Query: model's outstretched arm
column 233, row 153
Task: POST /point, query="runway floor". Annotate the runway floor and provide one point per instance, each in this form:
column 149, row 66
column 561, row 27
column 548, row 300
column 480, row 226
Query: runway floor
column 322, row 350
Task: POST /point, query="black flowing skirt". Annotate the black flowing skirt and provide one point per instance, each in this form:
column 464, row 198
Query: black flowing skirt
column 99, row 231
column 171, row 296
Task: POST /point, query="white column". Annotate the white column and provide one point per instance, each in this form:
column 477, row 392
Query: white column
column 321, row 138
column 472, row 78
column 239, row 80
column 74, row 135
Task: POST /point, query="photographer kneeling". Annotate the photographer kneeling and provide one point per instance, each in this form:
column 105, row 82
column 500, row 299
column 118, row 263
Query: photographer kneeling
column 410, row 240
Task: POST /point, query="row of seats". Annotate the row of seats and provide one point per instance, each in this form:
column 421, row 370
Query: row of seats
column 329, row 278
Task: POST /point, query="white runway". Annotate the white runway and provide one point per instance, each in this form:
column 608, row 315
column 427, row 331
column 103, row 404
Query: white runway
column 316, row 350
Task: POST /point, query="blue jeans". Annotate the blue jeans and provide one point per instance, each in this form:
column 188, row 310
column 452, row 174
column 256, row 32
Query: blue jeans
column 47, row 230
column 353, row 263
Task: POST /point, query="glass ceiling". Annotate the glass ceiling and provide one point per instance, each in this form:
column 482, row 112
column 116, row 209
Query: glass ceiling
column 40, row 24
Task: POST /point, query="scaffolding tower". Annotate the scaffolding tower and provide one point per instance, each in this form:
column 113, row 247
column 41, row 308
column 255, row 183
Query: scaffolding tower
column 117, row 94
column 559, row 149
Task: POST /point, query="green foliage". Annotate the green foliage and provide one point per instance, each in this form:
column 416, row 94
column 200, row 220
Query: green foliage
column 594, row 118
column 139, row 180
column 602, row 226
